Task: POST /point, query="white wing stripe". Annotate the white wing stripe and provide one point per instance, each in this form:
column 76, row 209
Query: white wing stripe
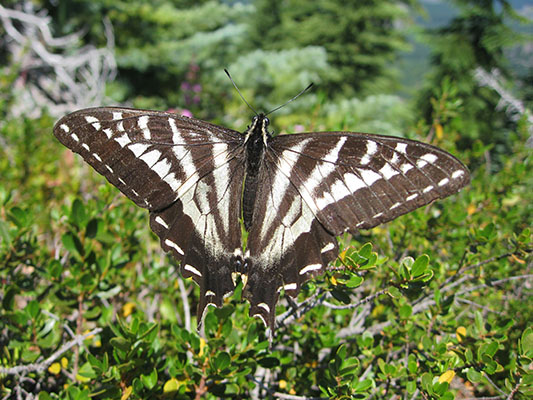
column 162, row 168
column 123, row 140
column 280, row 185
column 387, row 171
column 458, row 174
column 138, row 149
column 328, row 247
column 162, row 222
column 151, row 157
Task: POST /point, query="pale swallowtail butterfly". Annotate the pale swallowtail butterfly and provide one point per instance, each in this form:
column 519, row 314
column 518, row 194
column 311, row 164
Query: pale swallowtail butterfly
column 295, row 193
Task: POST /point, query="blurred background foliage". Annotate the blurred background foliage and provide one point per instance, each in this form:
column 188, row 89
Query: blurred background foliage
column 78, row 262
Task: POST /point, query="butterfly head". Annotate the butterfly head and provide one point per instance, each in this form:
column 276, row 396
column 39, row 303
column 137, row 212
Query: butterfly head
column 257, row 132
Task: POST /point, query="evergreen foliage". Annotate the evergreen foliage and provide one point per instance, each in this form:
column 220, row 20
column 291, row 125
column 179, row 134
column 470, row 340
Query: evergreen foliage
column 159, row 44
column 477, row 37
column 361, row 38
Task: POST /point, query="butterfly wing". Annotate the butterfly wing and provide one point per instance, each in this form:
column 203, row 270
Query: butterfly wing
column 186, row 172
column 315, row 186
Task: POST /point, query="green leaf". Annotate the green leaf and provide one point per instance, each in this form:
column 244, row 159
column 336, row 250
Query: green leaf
column 426, row 381
column 412, row 364
column 5, row 235
column 469, row 356
column 269, row 362
column 405, row 311
column 363, row 385
column 120, row 343
column 32, row 308
column 222, row 360
column 366, row 250
column 19, row 217
column 473, row 375
column 150, row 380
column 72, row 243
column 420, row 266
column 87, row 371
column 394, row 292
column 354, row 281
column 348, row 366
column 78, row 214
column 92, row 228
column 8, row 301
column 526, row 342
column 341, row 352
column 341, row 295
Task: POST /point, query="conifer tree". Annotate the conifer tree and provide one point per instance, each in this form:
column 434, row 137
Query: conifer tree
column 361, row 37
column 477, row 37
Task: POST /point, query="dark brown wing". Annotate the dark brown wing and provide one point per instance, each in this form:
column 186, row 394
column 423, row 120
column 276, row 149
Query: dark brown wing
column 187, row 172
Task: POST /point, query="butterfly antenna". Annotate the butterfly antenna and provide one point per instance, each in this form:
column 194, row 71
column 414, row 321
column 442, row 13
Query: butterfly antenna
column 294, row 98
column 238, row 91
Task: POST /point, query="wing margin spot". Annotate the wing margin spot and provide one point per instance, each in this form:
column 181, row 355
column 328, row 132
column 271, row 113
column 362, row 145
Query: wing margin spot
column 288, row 286
column 170, row 243
column 310, row 267
column 190, row 268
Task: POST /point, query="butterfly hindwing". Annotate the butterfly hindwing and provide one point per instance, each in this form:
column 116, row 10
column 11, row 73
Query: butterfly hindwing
column 286, row 244
column 210, row 213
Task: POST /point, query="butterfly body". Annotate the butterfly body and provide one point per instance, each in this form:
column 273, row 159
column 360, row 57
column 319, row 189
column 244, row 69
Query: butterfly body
column 295, row 193
column 256, row 139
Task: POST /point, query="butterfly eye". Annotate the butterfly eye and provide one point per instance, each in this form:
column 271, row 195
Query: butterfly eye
column 267, row 121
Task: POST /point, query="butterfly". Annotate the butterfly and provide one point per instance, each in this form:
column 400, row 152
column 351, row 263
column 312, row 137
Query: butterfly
column 293, row 193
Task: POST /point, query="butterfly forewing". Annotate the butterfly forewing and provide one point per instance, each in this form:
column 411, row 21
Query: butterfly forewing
column 152, row 157
column 355, row 181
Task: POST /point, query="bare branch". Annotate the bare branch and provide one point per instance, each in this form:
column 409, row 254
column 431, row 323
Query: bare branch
column 514, row 107
column 54, row 73
column 354, row 305
column 39, row 367
column 460, row 300
column 294, row 397
column 185, row 301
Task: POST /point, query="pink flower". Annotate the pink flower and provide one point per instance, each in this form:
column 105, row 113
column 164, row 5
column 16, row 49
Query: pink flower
column 186, row 113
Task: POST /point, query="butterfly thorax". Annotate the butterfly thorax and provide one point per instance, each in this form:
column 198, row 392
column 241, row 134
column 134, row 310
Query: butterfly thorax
column 256, row 139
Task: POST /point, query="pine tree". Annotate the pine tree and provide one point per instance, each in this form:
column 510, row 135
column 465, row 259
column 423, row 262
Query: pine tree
column 361, row 38
column 477, row 37
column 163, row 48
